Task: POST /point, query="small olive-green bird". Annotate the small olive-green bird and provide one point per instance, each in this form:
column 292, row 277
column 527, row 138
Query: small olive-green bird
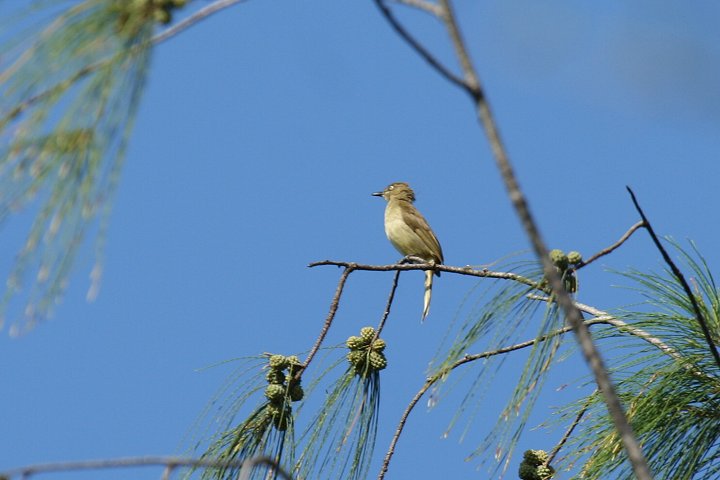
column 409, row 232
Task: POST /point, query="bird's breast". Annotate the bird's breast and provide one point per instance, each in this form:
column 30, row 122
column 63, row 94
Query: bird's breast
column 403, row 237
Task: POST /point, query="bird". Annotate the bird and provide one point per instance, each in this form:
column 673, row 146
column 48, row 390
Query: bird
column 410, row 233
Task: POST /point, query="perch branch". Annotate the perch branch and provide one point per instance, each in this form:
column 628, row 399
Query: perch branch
column 678, row 274
column 469, row 271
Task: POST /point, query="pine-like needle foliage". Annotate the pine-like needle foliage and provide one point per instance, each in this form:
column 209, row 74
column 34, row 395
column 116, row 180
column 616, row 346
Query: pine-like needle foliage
column 672, row 395
column 339, row 441
column 507, row 309
column 71, row 78
column 269, row 428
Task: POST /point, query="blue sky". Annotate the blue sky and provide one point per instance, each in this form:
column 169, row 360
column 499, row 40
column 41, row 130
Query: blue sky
column 262, row 133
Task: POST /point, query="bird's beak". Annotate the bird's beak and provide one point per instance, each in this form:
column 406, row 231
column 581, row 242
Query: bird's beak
column 377, row 194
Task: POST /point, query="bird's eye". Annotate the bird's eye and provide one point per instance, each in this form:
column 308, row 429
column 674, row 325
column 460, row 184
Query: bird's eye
column 391, row 187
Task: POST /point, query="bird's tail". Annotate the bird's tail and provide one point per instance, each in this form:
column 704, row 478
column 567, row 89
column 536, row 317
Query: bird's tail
column 428, row 293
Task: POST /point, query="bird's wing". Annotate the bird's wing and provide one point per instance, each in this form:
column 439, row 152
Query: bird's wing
column 414, row 219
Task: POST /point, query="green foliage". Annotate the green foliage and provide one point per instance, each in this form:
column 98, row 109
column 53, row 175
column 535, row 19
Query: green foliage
column 506, row 310
column 671, row 394
column 72, row 78
column 268, row 430
column 260, row 433
column 340, row 439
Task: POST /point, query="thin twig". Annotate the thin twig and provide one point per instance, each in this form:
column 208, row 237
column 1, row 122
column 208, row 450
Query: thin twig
column 472, row 81
column 159, row 461
column 167, row 472
column 573, row 316
column 568, row 432
column 606, row 318
column 429, row 7
column 467, row 270
column 678, row 274
column 158, row 38
column 386, row 313
column 329, row 319
column 193, row 19
column 633, row 330
column 418, row 47
column 401, row 426
column 612, row 247
column 249, row 465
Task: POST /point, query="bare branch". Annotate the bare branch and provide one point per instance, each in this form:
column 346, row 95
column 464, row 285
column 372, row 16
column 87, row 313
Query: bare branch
column 467, row 270
column 168, row 461
column 424, row 5
column 401, row 426
column 635, row 331
column 472, row 82
column 328, row 320
column 678, row 274
column 82, row 72
column 568, row 432
column 196, row 17
column 612, row 247
column 386, row 313
column 418, row 47
column 606, row 318
column 250, row 464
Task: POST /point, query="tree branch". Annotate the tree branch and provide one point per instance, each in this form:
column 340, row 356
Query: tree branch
column 196, row 17
column 429, row 7
column 386, row 313
column 635, row 331
column 472, row 81
column 467, row 270
column 612, row 247
column 169, row 462
column 678, row 274
column 573, row 316
column 328, row 320
column 567, row 434
column 417, row 46
column 606, row 318
column 250, row 464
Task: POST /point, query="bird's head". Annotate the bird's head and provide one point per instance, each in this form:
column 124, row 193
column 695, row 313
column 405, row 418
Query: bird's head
column 398, row 191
